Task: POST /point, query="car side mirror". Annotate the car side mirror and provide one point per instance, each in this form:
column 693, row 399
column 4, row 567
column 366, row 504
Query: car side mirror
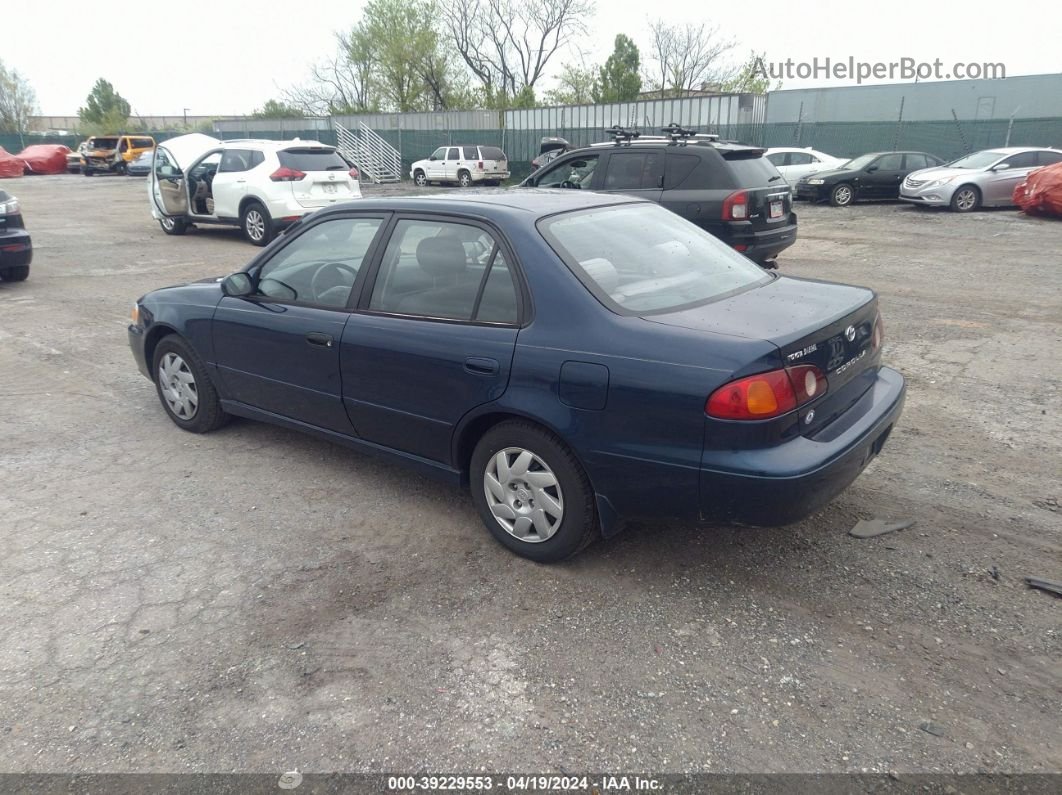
column 871, row 169
column 1001, row 166
column 433, row 157
column 237, row 285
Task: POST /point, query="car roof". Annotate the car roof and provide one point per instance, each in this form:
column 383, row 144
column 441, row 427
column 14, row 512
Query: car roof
column 270, row 144
column 530, row 203
column 1017, row 150
column 692, row 144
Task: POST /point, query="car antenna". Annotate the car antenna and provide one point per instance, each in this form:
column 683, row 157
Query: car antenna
column 621, row 136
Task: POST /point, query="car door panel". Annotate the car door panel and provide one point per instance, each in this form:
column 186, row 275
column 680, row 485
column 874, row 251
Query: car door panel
column 282, row 358
column 409, row 381
column 999, row 188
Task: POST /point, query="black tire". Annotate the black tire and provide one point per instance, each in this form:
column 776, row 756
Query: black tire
column 88, row 172
column 173, row 226
column 464, row 178
column 17, row 274
column 256, row 224
column 420, row 179
column 965, row 199
column 578, row 525
column 842, row 195
column 207, row 414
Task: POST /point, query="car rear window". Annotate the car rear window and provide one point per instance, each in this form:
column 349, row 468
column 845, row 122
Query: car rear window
column 312, row 160
column 492, row 153
column 642, row 259
column 751, row 172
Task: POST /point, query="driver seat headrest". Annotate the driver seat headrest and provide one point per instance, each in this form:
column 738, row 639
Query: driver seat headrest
column 441, row 257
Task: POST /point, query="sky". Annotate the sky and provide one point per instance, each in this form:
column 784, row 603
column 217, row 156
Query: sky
column 227, row 57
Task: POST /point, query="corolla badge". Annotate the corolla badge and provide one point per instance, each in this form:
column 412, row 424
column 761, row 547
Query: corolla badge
column 849, row 333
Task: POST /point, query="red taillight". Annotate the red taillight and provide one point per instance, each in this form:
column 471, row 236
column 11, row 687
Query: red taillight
column 479, row 165
column 879, row 332
column 766, row 395
column 740, row 247
column 354, row 174
column 736, row 206
column 285, row 174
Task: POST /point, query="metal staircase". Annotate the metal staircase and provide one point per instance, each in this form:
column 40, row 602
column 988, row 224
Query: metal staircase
column 377, row 160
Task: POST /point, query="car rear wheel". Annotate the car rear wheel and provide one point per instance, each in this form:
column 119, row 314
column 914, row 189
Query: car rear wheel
column 256, row 224
column 86, row 171
column 17, row 274
column 965, row 199
column 531, row 492
column 173, row 226
column 185, row 389
column 420, row 179
column 842, row 195
column 464, row 179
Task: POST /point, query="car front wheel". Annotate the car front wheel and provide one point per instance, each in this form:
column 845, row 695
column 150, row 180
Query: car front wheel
column 256, row 224
column 531, row 492
column 842, row 195
column 173, row 226
column 185, row 389
column 966, row 199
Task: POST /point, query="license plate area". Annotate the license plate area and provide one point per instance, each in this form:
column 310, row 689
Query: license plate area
column 329, row 187
column 775, row 210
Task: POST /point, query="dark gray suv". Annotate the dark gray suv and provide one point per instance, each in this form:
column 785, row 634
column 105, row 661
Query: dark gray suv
column 726, row 188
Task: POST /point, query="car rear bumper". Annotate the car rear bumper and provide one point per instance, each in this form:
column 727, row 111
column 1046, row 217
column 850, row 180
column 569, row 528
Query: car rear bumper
column 783, row 484
column 759, row 245
column 16, row 249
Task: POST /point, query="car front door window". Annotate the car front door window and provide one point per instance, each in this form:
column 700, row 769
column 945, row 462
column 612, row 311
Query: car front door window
column 577, row 173
column 320, row 266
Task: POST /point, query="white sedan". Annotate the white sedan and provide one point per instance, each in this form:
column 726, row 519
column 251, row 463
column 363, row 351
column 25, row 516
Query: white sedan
column 794, row 163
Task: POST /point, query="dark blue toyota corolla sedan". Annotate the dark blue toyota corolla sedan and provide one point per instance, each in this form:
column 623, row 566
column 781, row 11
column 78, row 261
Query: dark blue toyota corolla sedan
column 578, row 360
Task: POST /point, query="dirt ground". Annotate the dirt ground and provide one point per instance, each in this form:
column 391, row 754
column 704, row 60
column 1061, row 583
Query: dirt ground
column 257, row 600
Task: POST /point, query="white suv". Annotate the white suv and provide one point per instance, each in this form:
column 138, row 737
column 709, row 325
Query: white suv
column 464, row 165
column 260, row 186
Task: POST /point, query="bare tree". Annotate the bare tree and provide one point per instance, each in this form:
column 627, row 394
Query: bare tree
column 507, row 44
column 685, row 57
column 18, row 101
column 340, row 84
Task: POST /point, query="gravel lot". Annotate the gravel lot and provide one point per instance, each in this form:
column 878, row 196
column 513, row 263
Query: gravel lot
column 257, row 600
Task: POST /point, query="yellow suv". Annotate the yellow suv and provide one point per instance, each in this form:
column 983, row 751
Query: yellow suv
column 112, row 153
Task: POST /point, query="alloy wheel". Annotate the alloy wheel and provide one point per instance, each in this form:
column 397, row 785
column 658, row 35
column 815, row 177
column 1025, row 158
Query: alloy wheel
column 965, row 199
column 178, row 386
column 167, row 223
column 523, row 494
column 842, row 195
column 255, row 225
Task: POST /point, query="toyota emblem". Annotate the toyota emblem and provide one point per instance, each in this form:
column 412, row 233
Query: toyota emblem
column 849, row 333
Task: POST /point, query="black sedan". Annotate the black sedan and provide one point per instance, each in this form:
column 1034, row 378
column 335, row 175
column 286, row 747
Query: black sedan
column 877, row 175
column 16, row 248
column 578, row 359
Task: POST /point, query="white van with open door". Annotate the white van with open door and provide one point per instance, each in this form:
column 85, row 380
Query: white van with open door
column 258, row 185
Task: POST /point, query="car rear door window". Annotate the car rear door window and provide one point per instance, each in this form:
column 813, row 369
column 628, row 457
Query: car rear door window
column 914, row 162
column 1022, row 160
column 470, row 152
column 1047, row 158
column 453, row 154
column 235, row 160
column 453, row 271
column 800, row 159
column 319, row 266
column 633, row 170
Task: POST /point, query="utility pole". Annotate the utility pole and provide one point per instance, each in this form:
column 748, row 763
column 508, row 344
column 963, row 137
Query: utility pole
column 186, row 116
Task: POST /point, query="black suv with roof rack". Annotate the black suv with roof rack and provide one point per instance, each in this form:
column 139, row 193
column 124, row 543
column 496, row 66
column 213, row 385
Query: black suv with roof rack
column 727, row 188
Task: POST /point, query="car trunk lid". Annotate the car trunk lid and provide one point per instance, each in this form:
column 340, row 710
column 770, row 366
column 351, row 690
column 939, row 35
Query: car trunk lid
column 326, row 179
column 830, row 326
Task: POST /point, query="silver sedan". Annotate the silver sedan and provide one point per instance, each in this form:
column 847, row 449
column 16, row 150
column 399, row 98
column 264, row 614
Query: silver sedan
column 982, row 179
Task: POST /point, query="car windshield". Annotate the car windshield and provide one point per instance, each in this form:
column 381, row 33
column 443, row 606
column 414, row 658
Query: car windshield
column 642, row 258
column 859, row 162
column 976, row 160
column 103, row 143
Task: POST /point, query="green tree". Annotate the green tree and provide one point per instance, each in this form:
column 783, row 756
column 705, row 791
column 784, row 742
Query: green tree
column 277, row 109
column 17, row 101
column 752, row 78
column 105, row 111
column 620, row 78
column 576, row 85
